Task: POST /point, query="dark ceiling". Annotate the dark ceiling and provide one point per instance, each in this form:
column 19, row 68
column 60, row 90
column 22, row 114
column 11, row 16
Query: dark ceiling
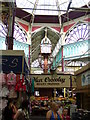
column 51, row 18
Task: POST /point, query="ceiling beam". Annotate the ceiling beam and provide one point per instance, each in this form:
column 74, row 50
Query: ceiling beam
column 70, row 2
column 33, row 11
column 59, row 12
column 80, row 9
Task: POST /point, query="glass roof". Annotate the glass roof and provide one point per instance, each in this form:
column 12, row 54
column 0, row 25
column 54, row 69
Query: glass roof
column 48, row 7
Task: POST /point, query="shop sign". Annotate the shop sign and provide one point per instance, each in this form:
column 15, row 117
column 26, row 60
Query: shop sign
column 47, row 81
column 11, row 63
column 85, row 78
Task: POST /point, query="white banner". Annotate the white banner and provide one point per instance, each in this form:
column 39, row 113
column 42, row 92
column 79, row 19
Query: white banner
column 85, row 78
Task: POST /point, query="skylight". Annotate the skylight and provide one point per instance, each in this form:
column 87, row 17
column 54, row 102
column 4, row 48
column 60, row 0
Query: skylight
column 48, row 7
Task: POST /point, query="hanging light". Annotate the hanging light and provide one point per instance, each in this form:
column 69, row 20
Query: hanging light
column 45, row 59
column 45, row 44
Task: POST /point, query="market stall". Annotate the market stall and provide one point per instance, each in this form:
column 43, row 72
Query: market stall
column 13, row 76
column 83, row 87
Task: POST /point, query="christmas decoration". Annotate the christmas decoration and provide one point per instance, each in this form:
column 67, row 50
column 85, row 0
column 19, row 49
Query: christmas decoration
column 11, row 79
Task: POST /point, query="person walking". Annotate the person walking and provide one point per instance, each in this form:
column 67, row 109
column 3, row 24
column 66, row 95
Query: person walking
column 22, row 112
column 53, row 113
column 65, row 114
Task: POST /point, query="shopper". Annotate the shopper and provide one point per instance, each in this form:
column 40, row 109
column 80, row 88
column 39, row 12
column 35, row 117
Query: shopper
column 19, row 115
column 65, row 114
column 22, row 112
column 8, row 111
column 73, row 108
column 25, row 105
column 53, row 114
column 60, row 110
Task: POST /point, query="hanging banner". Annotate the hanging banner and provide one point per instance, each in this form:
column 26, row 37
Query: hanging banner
column 49, row 81
column 32, row 85
column 20, row 83
column 85, row 78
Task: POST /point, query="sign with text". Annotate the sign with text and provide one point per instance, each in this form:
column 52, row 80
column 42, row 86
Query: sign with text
column 48, row 81
column 11, row 63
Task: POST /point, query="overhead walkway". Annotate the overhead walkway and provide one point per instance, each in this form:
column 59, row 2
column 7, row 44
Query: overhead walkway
column 77, row 50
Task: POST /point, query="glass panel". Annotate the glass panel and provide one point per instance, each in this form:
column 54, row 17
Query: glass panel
column 50, row 5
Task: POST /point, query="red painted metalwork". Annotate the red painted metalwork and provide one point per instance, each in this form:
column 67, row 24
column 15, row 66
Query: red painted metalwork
column 46, row 64
column 56, row 28
column 68, row 26
column 24, row 26
column 35, row 28
column 62, row 61
column 88, row 19
column 29, row 57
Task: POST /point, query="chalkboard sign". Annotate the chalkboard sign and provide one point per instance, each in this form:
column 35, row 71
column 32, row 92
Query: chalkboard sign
column 11, row 63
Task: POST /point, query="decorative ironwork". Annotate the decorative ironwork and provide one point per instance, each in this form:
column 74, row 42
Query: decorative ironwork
column 44, row 57
column 78, row 33
column 19, row 34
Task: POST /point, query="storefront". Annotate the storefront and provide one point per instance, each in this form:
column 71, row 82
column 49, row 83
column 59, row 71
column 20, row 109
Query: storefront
column 13, row 73
column 48, row 85
column 83, row 87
